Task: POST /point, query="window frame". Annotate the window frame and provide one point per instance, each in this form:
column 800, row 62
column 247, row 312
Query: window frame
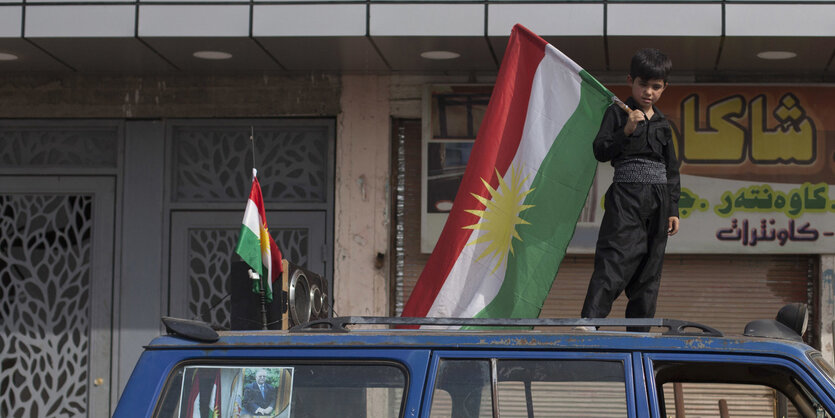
column 411, row 364
column 625, row 357
column 801, row 372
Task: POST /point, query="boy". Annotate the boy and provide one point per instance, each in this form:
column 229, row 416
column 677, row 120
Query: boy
column 641, row 205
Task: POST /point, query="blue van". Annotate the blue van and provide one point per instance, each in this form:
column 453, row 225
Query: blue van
column 360, row 367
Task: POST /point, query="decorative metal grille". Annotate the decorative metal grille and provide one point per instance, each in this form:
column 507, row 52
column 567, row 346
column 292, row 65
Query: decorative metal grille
column 87, row 148
column 210, row 163
column 45, row 245
column 211, row 252
column 210, row 257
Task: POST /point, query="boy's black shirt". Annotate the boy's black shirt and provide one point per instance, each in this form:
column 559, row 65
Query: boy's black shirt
column 652, row 140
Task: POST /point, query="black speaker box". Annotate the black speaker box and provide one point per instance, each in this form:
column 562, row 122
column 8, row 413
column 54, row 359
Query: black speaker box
column 299, row 296
column 307, row 293
column 246, row 305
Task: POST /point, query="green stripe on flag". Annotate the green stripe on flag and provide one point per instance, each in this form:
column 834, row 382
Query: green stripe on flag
column 560, row 189
column 249, row 248
column 594, row 84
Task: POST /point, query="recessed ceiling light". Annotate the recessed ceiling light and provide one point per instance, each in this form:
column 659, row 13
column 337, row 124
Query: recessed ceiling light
column 212, row 55
column 5, row 56
column 439, row 55
column 776, row 55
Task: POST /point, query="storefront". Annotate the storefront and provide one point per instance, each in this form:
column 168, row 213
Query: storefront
column 128, row 124
column 756, row 208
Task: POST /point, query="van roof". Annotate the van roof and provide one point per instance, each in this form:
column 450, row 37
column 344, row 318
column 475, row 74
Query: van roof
column 559, row 337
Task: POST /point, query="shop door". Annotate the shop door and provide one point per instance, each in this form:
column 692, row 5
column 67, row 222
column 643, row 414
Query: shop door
column 209, row 182
column 56, row 292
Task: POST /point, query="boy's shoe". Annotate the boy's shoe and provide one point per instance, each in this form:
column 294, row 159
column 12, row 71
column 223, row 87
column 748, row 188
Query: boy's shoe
column 584, row 328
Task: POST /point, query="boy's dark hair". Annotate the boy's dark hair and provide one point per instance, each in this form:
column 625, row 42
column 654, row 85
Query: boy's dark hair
column 650, row 63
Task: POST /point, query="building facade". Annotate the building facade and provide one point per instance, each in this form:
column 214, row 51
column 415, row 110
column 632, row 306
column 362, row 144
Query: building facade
column 126, row 158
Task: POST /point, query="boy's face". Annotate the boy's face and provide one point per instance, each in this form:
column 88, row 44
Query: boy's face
column 646, row 92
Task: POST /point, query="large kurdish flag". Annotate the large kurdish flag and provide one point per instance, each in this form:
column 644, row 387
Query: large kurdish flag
column 524, row 187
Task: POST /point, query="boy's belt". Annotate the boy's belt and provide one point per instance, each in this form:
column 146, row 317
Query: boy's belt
column 640, row 170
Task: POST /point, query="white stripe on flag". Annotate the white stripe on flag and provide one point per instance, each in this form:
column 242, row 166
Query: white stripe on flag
column 251, row 218
column 267, row 261
column 464, row 292
column 555, row 94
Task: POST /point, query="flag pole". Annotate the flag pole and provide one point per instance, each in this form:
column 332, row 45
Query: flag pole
column 616, row 101
column 261, row 277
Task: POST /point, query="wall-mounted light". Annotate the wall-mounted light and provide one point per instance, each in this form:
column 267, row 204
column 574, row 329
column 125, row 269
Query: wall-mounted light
column 212, row 55
column 776, row 55
column 439, row 55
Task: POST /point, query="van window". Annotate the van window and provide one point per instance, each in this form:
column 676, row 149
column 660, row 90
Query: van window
column 284, row 390
column 723, row 389
column 529, row 388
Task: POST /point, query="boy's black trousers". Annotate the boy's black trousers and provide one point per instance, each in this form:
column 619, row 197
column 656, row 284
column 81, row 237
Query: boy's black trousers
column 630, row 251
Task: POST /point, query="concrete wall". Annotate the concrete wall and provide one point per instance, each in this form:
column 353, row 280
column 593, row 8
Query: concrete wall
column 167, row 96
column 362, row 213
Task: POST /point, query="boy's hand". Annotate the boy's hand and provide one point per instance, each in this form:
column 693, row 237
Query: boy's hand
column 672, row 225
column 635, row 117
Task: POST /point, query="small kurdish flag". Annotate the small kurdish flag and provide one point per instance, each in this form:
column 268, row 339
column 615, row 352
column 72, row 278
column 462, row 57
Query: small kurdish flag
column 255, row 245
column 527, row 180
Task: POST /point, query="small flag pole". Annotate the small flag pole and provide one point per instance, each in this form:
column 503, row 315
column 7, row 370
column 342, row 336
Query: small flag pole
column 616, row 101
column 261, row 277
column 252, row 142
column 624, row 107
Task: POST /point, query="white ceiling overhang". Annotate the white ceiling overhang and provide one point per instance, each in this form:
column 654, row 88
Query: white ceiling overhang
column 703, row 38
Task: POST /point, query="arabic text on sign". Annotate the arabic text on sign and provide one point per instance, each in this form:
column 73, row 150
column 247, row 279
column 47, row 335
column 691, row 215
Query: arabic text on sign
column 767, row 231
column 725, row 140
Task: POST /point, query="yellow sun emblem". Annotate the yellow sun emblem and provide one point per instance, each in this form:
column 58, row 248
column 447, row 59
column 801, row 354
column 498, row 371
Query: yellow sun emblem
column 500, row 216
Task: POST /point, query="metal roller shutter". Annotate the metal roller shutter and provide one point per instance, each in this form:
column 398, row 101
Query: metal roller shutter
column 722, row 291
column 702, row 400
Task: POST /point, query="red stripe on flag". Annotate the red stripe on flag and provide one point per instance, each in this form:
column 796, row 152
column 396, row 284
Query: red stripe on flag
column 218, row 405
column 495, row 146
column 275, row 261
column 192, row 396
column 255, row 197
column 275, row 254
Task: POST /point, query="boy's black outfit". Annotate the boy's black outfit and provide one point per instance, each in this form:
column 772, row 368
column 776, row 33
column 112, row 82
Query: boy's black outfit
column 633, row 233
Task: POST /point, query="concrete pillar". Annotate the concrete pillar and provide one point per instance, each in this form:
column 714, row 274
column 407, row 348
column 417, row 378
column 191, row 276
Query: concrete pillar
column 827, row 306
column 361, row 218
